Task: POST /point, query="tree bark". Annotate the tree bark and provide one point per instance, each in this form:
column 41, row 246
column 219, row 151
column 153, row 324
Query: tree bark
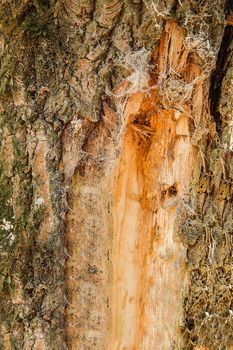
column 116, row 172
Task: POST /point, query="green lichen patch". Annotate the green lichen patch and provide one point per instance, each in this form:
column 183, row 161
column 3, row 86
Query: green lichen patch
column 35, row 26
column 6, row 210
column 36, row 19
column 7, row 82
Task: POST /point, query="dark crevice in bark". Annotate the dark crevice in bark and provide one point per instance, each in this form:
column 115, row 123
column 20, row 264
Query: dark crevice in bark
column 175, row 7
column 220, row 71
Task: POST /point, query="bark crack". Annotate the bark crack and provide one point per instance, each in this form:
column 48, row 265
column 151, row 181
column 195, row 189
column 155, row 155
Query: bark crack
column 222, row 63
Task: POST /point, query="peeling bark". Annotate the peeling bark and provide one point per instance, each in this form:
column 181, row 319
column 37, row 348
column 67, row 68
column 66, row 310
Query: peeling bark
column 116, row 174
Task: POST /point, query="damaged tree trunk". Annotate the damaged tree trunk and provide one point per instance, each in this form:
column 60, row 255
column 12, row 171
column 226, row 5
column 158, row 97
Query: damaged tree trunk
column 116, row 122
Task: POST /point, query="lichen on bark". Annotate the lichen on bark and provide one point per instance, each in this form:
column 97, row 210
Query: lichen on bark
column 89, row 92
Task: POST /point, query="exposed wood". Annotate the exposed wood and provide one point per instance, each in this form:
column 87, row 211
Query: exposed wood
column 116, row 144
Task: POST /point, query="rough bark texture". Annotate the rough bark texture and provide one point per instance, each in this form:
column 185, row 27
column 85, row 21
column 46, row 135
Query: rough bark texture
column 116, row 122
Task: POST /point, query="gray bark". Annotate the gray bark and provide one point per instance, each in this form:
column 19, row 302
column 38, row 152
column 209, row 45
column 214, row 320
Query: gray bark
column 61, row 66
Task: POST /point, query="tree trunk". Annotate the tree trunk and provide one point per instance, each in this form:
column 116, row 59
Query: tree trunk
column 116, row 122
